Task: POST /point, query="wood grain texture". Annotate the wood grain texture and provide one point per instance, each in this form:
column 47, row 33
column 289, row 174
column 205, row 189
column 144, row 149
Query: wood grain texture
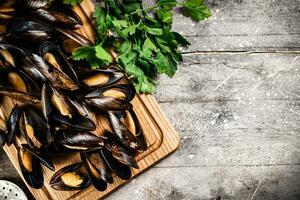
column 244, row 25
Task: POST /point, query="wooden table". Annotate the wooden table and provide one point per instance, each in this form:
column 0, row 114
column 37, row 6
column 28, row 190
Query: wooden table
column 235, row 103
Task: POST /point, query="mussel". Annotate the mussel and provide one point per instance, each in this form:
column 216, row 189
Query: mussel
column 33, row 126
column 127, row 130
column 38, row 154
column 119, row 152
column 58, row 110
column 31, row 168
column 98, row 171
column 17, row 85
column 59, row 15
column 35, row 4
column 121, row 170
column 54, row 75
column 112, row 97
column 56, row 58
column 70, row 178
column 100, row 78
column 13, row 124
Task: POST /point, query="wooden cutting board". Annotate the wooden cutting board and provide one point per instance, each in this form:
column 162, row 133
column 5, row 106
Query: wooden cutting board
column 161, row 136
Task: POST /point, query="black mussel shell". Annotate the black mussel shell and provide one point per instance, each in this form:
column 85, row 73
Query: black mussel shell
column 35, row 4
column 13, row 124
column 10, row 55
column 122, row 133
column 121, row 170
column 28, row 33
column 76, row 37
column 59, row 111
column 70, row 178
column 43, row 158
column 32, row 125
column 98, row 170
column 55, row 76
column 97, row 78
column 63, row 17
column 130, row 120
column 55, row 57
column 31, row 168
column 17, row 85
column 112, row 97
column 119, row 152
column 2, row 138
column 79, row 141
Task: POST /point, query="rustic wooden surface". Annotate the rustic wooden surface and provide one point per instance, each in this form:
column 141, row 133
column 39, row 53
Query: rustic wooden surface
column 235, row 103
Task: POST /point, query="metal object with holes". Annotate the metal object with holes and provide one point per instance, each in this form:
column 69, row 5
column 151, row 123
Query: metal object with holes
column 10, row 191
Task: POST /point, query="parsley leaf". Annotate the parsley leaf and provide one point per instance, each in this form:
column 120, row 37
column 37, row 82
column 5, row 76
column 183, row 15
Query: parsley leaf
column 196, row 9
column 72, row 2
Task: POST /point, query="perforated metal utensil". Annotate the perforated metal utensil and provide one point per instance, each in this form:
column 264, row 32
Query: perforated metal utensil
column 10, row 191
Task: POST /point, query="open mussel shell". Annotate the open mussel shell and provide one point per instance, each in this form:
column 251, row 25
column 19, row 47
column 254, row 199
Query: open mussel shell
column 79, row 141
column 121, row 170
column 10, row 55
column 97, row 78
column 130, row 120
column 31, row 168
column 60, row 16
column 119, row 152
column 54, row 75
column 55, row 57
column 98, row 171
column 122, row 133
column 59, row 111
column 70, row 178
column 13, row 124
column 43, row 158
column 17, row 85
column 112, row 97
column 32, row 125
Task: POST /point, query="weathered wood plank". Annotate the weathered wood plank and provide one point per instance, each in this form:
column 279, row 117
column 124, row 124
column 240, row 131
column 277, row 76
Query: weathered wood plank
column 202, row 183
column 247, row 25
column 234, row 109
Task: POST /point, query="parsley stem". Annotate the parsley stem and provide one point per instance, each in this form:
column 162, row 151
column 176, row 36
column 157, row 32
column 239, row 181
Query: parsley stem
column 155, row 6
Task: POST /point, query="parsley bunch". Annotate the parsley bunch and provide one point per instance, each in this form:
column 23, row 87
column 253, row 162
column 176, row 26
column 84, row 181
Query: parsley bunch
column 141, row 37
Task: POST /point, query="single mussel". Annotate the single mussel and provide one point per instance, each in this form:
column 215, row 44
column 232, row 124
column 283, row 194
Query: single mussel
column 13, row 124
column 119, row 152
column 127, row 129
column 33, row 126
column 43, row 158
column 100, row 78
column 28, row 33
column 121, row 170
column 59, row 15
column 31, row 168
column 60, row 112
column 112, row 97
column 17, row 85
column 79, row 141
column 56, row 58
column 70, row 178
column 98, row 171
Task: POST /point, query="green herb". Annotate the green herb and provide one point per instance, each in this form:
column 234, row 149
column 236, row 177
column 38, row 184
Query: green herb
column 72, row 2
column 142, row 38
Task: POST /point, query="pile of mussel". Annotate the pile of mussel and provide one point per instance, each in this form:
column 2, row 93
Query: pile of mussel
column 58, row 101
